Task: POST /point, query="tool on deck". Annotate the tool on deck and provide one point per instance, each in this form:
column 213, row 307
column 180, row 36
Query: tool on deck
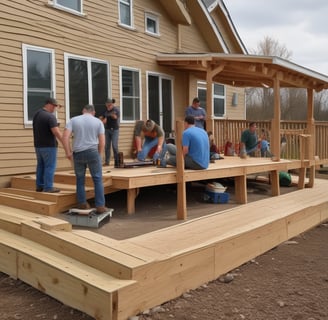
column 134, row 164
column 87, row 217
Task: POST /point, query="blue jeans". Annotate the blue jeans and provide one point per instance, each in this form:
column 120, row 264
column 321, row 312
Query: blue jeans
column 46, row 167
column 89, row 159
column 172, row 160
column 148, row 144
column 111, row 141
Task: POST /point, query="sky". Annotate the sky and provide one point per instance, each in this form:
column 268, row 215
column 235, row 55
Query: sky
column 300, row 25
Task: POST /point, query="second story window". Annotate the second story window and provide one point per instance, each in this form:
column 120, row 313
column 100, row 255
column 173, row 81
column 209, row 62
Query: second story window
column 125, row 12
column 152, row 24
column 71, row 5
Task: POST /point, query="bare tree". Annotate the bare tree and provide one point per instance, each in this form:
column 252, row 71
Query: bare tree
column 259, row 101
column 262, row 99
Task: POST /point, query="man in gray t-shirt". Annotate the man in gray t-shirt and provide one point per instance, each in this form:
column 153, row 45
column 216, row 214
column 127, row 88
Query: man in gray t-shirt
column 87, row 147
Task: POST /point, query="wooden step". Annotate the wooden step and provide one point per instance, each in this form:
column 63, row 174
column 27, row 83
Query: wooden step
column 28, row 202
column 111, row 259
column 68, row 280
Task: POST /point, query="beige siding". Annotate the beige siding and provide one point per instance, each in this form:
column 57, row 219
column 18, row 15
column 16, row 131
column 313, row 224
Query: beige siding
column 98, row 35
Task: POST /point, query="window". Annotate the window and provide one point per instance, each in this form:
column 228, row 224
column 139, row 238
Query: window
column 87, row 83
column 71, row 5
column 130, row 94
column 125, row 12
column 152, row 24
column 218, row 98
column 39, row 79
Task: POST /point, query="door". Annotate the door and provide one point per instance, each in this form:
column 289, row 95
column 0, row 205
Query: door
column 160, row 101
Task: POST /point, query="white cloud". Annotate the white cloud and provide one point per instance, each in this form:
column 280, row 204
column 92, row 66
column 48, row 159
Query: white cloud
column 299, row 25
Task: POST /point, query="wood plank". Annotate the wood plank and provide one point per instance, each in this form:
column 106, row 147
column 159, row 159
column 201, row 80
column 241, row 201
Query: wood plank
column 107, row 259
column 61, row 277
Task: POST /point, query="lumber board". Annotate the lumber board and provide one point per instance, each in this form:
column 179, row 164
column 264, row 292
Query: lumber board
column 109, row 260
column 29, row 204
column 62, row 277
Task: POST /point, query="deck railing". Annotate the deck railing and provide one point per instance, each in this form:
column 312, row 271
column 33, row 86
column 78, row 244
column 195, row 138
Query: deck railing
column 230, row 130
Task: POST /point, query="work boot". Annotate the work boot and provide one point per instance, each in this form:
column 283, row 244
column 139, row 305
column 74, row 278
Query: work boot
column 101, row 209
column 83, row 206
column 52, row 190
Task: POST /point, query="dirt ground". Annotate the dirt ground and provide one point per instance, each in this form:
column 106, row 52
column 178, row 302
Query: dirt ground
column 290, row 282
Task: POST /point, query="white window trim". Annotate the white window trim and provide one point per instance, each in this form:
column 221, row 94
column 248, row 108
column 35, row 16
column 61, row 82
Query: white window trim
column 131, row 15
column 224, row 97
column 54, row 4
column 152, row 16
column 25, row 48
column 89, row 60
column 162, row 76
column 121, row 93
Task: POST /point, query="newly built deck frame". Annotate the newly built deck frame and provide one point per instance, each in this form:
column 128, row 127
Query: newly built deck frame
column 114, row 279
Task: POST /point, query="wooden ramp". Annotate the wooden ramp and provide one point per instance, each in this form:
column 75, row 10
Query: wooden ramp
column 111, row 279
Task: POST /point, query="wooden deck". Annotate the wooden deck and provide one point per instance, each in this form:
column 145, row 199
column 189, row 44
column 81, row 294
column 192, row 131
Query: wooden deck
column 114, row 279
column 134, row 178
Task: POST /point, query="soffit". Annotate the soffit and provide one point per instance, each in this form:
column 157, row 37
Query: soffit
column 246, row 70
column 177, row 11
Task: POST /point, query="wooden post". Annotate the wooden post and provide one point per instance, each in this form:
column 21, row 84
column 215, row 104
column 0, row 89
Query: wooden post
column 181, row 180
column 275, row 129
column 209, row 99
column 311, row 140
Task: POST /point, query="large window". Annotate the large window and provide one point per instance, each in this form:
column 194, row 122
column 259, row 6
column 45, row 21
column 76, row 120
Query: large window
column 86, row 83
column 130, row 94
column 39, row 79
column 218, row 98
column 71, row 5
column 125, row 12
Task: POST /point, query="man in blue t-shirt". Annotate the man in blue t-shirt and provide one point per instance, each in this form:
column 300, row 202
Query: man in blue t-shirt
column 195, row 147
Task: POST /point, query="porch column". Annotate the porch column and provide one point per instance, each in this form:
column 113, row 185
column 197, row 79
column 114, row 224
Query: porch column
column 181, row 180
column 275, row 130
column 310, row 147
column 209, row 102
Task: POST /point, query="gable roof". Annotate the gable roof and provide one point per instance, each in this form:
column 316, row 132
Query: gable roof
column 215, row 24
column 246, row 70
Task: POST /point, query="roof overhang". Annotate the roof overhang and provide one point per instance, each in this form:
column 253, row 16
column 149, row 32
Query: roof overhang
column 177, row 11
column 246, row 70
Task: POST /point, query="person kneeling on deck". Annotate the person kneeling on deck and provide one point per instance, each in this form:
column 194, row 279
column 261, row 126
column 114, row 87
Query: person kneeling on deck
column 249, row 141
column 195, row 147
column 153, row 136
column 88, row 145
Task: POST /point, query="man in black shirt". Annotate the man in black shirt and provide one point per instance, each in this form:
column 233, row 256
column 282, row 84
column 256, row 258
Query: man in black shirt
column 45, row 133
column 110, row 118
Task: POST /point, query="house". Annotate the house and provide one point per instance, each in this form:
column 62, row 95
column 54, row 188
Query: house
column 83, row 51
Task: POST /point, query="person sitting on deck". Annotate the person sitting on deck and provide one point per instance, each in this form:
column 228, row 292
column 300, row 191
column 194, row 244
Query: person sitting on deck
column 265, row 145
column 249, row 141
column 214, row 152
column 195, row 147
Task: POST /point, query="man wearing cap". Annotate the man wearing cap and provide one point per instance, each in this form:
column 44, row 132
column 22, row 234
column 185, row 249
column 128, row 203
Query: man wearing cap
column 197, row 112
column 88, row 145
column 110, row 119
column 46, row 133
column 153, row 136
